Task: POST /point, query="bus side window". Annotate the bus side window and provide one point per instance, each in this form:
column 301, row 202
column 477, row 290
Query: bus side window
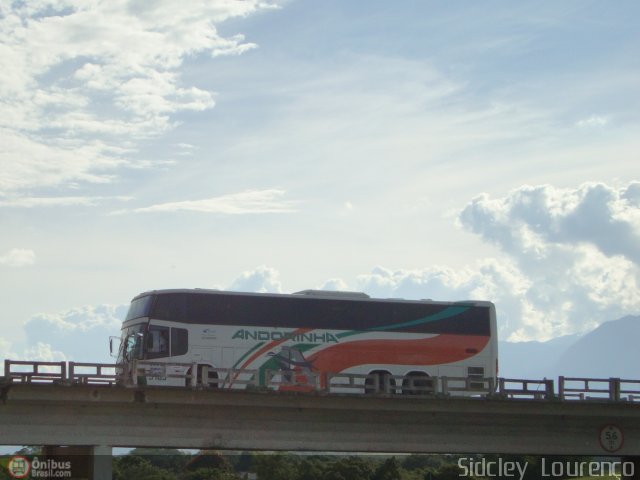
column 158, row 342
column 179, row 341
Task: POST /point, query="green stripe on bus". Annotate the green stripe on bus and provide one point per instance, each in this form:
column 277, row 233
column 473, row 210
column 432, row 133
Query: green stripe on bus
column 446, row 313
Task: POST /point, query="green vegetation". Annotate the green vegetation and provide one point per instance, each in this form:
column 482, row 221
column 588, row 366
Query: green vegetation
column 164, row 464
column 211, row 465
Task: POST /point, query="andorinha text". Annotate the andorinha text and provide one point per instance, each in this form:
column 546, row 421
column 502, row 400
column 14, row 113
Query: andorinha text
column 266, row 335
column 548, row 468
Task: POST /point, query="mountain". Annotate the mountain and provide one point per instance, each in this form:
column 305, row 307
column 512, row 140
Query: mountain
column 610, row 350
column 533, row 360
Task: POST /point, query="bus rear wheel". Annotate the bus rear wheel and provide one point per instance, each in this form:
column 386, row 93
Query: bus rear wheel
column 417, row 383
column 384, row 380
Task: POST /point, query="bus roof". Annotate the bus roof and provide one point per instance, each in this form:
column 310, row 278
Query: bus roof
column 317, row 294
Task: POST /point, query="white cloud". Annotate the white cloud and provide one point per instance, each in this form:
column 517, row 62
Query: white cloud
column 81, row 333
column 39, row 352
column 43, row 352
column 5, row 353
column 33, row 202
column 335, row 284
column 78, row 73
column 249, row 202
column 530, row 219
column 79, row 319
column 18, row 257
column 594, row 121
column 578, row 249
column 262, row 279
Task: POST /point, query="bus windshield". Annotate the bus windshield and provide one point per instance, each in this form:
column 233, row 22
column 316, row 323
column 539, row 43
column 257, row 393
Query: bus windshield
column 139, row 308
column 131, row 343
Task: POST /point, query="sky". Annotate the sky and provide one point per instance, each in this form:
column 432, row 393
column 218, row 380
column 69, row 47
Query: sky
column 414, row 149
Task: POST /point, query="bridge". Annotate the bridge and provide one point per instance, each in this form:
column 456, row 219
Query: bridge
column 601, row 417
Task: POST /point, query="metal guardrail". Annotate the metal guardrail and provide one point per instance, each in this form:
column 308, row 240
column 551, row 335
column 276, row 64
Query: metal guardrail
column 521, row 388
column 201, row 376
column 35, row 372
column 614, row 389
column 92, row 373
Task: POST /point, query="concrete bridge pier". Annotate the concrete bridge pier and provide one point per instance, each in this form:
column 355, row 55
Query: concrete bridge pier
column 91, row 462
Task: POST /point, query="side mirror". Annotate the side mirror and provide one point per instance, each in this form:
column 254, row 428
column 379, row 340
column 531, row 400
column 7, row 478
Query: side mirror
column 111, row 339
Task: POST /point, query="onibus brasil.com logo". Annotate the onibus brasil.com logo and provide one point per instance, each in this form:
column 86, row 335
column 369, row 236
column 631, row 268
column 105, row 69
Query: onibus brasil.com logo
column 22, row 467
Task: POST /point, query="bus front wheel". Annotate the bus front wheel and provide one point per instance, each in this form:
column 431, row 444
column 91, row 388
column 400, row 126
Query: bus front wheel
column 206, row 380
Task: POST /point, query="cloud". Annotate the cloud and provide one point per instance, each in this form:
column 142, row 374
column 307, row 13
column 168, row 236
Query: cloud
column 18, row 257
column 5, row 352
column 43, row 352
column 593, row 121
column 78, row 74
column 263, row 279
column 82, row 333
column 578, row 249
column 33, row 202
column 335, row 284
column 249, row 202
column 529, row 220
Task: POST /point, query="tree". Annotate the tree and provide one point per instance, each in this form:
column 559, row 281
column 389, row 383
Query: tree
column 419, row 462
column 388, row 470
column 168, row 459
column 449, row 471
column 311, row 468
column 134, row 466
column 209, row 474
column 352, row 468
column 209, row 459
column 242, row 462
column 274, row 467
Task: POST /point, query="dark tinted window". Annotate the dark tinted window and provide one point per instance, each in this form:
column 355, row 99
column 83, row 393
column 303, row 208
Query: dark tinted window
column 169, row 307
column 314, row 313
column 179, row 341
column 139, row 307
column 204, row 307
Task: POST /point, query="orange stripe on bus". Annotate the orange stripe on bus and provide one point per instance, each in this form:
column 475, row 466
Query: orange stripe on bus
column 427, row 351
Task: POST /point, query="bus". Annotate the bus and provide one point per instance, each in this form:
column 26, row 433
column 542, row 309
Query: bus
column 306, row 339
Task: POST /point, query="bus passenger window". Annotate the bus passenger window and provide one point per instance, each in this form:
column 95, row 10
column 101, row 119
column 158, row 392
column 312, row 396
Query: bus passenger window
column 179, row 341
column 158, row 342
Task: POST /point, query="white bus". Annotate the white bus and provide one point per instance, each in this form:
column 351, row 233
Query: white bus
column 399, row 346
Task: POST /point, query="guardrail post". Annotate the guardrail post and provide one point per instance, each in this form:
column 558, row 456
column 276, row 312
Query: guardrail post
column 614, row 389
column 445, row 386
column 7, row 368
column 501, row 383
column 205, row 376
column 561, row 387
column 327, row 376
column 72, row 371
column 492, row 386
column 193, row 381
column 549, row 390
column 134, row 373
column 324, row 381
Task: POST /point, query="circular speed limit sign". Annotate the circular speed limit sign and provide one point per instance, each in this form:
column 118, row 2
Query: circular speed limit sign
column 611, row 438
